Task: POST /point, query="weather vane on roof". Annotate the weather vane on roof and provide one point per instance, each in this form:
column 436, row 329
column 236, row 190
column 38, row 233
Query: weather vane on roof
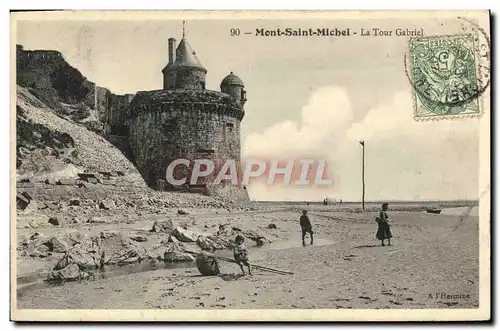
column 183, row 29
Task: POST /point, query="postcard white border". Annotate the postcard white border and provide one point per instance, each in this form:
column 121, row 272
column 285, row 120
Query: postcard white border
column 482, row 313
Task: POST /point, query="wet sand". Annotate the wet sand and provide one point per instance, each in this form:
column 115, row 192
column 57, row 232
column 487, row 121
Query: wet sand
column 346, row 268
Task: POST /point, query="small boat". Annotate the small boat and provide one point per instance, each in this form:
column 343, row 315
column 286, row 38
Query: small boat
column 434, row 211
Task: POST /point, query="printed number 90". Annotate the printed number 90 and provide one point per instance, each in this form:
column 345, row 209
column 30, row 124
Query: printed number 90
column 234, row 32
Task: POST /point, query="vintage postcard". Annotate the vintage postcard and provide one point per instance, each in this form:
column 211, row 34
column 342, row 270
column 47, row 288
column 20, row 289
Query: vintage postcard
column 250, row 166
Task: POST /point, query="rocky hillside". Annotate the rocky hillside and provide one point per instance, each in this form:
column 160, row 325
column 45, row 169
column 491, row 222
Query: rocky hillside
column 71, row 141
column 67, row 93
column 47, row 143
column 59, row 161
column 63, row 119
column 51, row 78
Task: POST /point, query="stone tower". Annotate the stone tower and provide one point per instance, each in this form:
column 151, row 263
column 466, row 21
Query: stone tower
column 184, row 120
column 234, row 86
column 183, row 70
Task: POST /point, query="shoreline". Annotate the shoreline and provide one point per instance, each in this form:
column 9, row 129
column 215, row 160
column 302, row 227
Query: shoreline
column 351, row 253
column 143, row 225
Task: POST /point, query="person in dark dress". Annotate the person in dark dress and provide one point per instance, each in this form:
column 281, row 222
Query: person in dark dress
column 306, row 226
column 384, row 229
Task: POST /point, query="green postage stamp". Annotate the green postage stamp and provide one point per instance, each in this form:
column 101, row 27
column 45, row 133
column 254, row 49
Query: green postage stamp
column 445, row 77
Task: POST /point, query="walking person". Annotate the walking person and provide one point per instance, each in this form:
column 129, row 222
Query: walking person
column 306, row 226
column 384, row 228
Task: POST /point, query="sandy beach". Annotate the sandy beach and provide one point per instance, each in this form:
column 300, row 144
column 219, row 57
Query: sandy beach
column 433, row 263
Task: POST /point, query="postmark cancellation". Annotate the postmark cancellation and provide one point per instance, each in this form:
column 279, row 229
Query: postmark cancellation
column 446, row 77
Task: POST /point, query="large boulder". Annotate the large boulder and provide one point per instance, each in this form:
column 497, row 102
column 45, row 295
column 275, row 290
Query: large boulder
column 70, row 272
column 120, row 249
column 221, row 243
column 38, row 245
column 259, row 236
column 175, row 253
column 73, row 237
column 35, row 246
column 156, row 252
column 225, row 238
column 209, row 243
column 109, row 248
column 184, row 235
column 205, row 243
column 57, row 245
column 165, row 226
column 86, row 255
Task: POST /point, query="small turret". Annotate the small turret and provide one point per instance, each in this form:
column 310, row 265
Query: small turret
column 233, row 85
column 184, row 70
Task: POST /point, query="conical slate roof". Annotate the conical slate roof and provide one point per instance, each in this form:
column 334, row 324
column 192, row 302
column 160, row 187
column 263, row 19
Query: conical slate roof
column 232, row 79
column 186, row 57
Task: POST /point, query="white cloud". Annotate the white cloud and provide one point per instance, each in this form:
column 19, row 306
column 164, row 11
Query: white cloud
column 328, row 111
column 405, row 159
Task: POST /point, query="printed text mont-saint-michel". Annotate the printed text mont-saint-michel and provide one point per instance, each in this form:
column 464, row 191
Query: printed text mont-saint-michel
column 330, row 32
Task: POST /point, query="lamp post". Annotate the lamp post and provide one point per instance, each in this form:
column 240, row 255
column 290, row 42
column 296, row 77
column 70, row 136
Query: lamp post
column 363, row 174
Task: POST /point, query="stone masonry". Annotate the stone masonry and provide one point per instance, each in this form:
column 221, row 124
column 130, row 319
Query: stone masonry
column 184, row 120
column 152, row 128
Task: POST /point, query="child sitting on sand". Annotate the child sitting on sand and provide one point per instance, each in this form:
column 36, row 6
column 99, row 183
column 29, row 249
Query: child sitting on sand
column 384, row 229
column 240, row 253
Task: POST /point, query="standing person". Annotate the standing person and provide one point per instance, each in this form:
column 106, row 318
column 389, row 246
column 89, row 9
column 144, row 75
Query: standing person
column 306, row 226
column 384, row 228
column 240, row 254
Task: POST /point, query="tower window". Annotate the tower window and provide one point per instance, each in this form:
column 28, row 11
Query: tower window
column 205, row 150
column 229, row 125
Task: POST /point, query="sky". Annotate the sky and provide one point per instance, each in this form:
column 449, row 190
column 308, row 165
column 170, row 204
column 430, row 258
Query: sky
column 306, row 96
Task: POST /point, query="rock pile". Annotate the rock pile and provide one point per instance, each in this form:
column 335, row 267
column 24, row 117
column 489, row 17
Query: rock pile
column 70, row 272
column 174, row 252
column 77, row 253
column 38, row 245
column 109, row 248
